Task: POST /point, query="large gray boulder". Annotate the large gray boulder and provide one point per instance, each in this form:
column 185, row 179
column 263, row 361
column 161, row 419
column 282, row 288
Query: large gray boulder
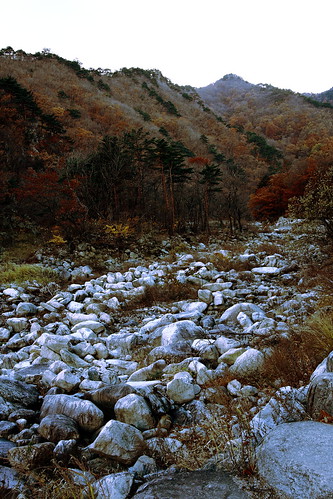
column 320, row 395
column 115, row 486
column 133, row 409
column 85, row 413
column 194, row 484
column 57, row 427
column 296, row 460
column 181, row 331
column 119, row 441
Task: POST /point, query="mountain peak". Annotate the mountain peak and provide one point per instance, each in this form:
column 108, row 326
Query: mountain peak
column 232, row 76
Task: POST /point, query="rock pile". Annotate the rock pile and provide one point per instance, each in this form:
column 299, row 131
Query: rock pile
column 82, row 377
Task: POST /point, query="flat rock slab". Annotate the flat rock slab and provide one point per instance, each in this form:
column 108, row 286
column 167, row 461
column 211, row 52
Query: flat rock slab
column 266, row 270
column 18, row 392
column 193, row 484
column 296, row 460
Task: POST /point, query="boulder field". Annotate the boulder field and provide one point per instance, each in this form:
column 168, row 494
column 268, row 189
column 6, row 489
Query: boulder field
column 167, row 399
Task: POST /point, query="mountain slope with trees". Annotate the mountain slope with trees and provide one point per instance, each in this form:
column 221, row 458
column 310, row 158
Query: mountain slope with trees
column 87, row 145
column 299, row 126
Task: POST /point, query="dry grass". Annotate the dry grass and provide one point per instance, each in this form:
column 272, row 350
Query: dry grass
column 11, row 273
column 22, row 251
column 320, row 276
column 208, row 443
column 268, row 248
column 295, row 358
column 56, row 482
column 226, row 263
column 171, row 291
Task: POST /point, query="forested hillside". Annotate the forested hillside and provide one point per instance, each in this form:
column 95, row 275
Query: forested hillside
column 88, row 146
column 299, row 126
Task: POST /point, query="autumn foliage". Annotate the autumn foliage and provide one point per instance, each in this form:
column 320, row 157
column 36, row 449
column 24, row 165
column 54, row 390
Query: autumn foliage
column 80, row 145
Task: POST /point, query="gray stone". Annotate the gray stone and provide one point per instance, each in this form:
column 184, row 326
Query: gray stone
column 84, row 412
column 55, row 427
column 29, row 457
column 296, row 459
column 25, row 308
column 119, row 441
column 18, row 392
column 17, row 324
column 193, row 484
column 115, row 486
column 320, row 396
column 133, row 409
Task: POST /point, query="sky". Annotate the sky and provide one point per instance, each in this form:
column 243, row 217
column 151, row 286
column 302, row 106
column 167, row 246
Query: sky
column 286, row 43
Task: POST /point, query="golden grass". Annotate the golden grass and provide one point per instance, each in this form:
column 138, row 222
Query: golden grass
column 12, row 273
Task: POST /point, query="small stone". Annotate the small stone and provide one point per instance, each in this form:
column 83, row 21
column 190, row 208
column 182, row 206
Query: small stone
column 26, row 308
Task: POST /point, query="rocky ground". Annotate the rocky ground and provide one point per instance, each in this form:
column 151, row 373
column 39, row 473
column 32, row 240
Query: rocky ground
column 164, row 379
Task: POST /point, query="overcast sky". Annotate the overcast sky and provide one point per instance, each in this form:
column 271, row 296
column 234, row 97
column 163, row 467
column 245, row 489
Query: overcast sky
column 287, row 43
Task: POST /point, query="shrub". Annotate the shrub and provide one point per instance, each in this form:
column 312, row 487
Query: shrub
column 294, row 359
column 170, row 291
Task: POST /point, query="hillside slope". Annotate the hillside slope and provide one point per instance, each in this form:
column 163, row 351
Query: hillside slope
column 132, row 144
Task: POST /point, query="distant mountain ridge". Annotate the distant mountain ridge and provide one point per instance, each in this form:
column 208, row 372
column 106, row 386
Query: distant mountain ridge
column 232, row 80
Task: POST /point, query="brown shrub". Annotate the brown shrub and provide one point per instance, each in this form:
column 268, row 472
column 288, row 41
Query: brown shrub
column 295, row 358
column 268, row 248
column 171, row 291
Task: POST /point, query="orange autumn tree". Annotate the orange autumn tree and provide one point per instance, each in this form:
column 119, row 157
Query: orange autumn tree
column 48, row 199
column 271, row 201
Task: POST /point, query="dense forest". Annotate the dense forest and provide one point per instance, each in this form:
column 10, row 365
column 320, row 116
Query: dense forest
column 83, row 148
